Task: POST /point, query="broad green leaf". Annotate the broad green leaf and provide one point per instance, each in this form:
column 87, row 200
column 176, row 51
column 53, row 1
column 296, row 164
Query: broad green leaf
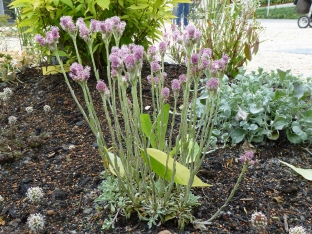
column 298, row 90
column 273, row 135
column 296, row 129
column 292, row 137
column 280, row 123
column 56, row 2
column 163, row 166
column 68, row 3
column 281, row 74
column 255, row 110
column 237, row 135
column 146, row 125
column 161, row 126
column 112, row 167
column 138, row 7
column 306, row 173
column 308, row 114
column 104, row 4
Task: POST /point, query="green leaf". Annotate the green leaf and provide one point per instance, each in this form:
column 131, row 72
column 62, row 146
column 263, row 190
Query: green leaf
column 56, row 2
column 146, row 125
column 247, row 51
column 296, row 129
column 113, row 168
column 281, row 74
column 161, row 125
column 138, row 7
column 163, row 166
column 273, row 135
column 104, row 4
column 68, row 3
column 280, row 123
column 306, row 173
column 255, row 110
column 292, row 137
column 298, row 91
column 237, row 135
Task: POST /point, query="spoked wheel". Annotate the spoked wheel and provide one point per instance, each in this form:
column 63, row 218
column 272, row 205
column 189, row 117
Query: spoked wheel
column 304, row 21
column 310, row 22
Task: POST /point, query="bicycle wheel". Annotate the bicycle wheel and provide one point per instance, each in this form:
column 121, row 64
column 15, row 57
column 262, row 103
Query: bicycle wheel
column 303, row 21
column 310, row 22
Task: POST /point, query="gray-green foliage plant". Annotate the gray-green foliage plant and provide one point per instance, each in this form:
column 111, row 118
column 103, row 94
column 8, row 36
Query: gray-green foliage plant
column 155, row 163
column 259, row 106
column 230, row 28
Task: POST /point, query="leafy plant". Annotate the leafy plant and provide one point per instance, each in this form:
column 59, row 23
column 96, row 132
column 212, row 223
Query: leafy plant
column 143, row 19
column 231, row 29
column 256, row 107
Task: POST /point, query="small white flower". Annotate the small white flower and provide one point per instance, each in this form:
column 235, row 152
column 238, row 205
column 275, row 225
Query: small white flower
column 1, row 199
column 258, row 220
column 29, row 109
column 36, row 222
column 34, row 194
column 46, row 108
column 241, row 115
column 8, row 92
column 12, row 120
column 2, row 95
column 297, row 230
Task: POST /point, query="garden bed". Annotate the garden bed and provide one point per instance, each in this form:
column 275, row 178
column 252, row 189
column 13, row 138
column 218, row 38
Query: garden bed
column 65, row 163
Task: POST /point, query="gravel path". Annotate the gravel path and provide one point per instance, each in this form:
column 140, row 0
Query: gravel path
column 285, row 46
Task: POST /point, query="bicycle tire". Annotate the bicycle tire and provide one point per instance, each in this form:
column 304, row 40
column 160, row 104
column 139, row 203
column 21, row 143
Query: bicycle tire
column 303, row 21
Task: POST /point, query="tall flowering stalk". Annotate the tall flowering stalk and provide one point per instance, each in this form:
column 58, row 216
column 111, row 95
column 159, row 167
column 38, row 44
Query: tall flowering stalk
column 145, row 155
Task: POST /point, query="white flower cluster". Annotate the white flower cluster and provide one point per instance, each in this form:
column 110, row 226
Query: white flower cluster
column 36, row 222
column 29, row 109
column 258, row 220
column 1, row 199
column 12, row 120
column 297, row 230
column 34, row 194
column 46, row 108
column 6, row 94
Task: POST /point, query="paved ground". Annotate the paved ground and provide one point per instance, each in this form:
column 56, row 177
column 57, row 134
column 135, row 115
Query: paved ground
column 285, row 46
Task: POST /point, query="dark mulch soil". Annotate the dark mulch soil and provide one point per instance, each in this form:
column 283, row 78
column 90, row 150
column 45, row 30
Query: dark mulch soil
column 66, row 165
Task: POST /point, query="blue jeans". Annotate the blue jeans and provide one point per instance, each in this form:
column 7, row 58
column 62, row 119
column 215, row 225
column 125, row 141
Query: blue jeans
column 183, row 8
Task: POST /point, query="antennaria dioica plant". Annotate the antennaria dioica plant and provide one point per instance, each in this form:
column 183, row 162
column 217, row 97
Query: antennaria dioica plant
column 149, row 169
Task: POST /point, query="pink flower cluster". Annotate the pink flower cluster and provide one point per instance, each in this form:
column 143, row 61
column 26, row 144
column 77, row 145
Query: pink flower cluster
column 68, row 25
column 51, row 38
column 102, row 88
column 246, row 158
column 212, row 84
column 189, row 38
column 129, row 56
column 79, row 73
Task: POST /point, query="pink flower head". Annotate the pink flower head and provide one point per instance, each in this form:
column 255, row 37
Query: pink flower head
column 221, row 64
column 182, row 78
column 150, row 80
column 246, row 158
column 123, row 52
column 164, row 75
column 114, row 73
column 102, row 88
column 106, row 28
column 226, row 58
column 215, row 66
column 155, row 66
column 40, row 39
column 192, row 35
column 165, row 92
column 115, row 50
column 175, row 85
column 162, row 48
column 130, row 63
column 151, row 53
column 138, row 52
column 94, row 25
column 194, row 59
column 78, row 73
column 67, row 24
column 176, row 35
column 116, row 62
column 55, row 31
column 115, row 21
column 205, row 63
column 212, row 84
column 84, row 32
column 121, row 28
column 206, row 53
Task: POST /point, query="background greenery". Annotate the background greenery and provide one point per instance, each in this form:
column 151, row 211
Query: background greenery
column 277, row 13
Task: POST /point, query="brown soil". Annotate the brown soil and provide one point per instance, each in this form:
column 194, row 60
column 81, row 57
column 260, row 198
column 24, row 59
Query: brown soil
column 65, row 164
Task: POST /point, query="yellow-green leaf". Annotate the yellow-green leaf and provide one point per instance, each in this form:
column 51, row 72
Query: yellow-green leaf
column 138, row 7
column 112, row 166
column 306, row 173
column 103, row 3
column 68, row 3
column 163, row 166
column 247, row 51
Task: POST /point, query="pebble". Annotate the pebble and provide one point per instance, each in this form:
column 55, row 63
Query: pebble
column 51, row 213
column 87, row 211
column 80, row 123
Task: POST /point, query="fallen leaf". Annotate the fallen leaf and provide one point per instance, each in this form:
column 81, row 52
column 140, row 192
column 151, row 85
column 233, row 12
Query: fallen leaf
column 2, row 222
column 306, row 173
column 278, row 199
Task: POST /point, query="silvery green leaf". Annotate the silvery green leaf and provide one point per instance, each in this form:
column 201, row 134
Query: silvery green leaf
column 237, row 135
column 253, row 127
column 254, row 109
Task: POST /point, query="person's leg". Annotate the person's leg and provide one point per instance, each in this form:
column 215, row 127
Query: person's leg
column 186, row 13
column 179, row 13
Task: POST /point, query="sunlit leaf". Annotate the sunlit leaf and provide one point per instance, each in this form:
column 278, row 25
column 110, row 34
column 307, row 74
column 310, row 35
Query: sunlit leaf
column 112, row 167
column 68, row 3
column 306, row 173
column 104, row 4
column 163, row 166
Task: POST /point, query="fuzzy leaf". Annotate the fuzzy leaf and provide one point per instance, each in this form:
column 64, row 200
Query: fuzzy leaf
column 112, row 166
column 306, row 173
column 163, row 166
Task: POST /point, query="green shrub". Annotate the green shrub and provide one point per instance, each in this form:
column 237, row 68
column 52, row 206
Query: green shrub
column 256, row 107
column 143, row 19
column 231, row 29
column 277, row 13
